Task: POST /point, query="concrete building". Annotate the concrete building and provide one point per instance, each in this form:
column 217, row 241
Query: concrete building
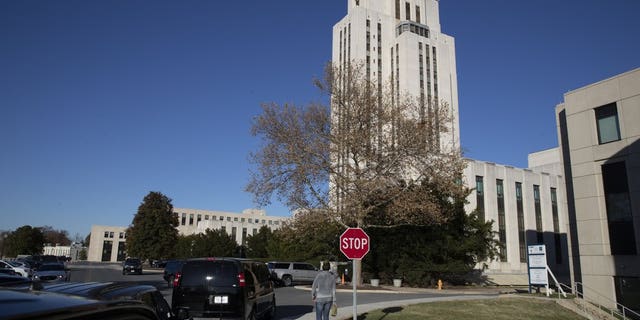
column 107, row 243
column 238, row 225
column 599, row 137
column 400, row 43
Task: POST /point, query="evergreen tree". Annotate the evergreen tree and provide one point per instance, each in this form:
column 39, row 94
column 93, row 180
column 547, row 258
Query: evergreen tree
column 257, row 243
column 152, row 233
column 24, row 240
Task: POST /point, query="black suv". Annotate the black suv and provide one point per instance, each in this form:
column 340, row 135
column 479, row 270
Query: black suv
column 228, row 288
column 132, row 265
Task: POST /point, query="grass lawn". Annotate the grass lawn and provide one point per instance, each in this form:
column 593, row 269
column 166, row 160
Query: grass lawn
column 492, row 309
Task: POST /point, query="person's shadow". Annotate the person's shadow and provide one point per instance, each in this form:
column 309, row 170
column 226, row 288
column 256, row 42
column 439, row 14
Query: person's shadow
column 386, row 312
column 292, row 311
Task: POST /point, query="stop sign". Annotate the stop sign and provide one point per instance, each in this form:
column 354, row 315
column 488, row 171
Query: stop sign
column 354, row 243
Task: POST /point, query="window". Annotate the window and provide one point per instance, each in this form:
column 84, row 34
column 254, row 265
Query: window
column 480, row 197
column 235, row 219
column 234, row 230
column 206, row 217
column 418, row 14
column 241, row 219
column 111, row 234
column 228, row 218
column 106, row 234
column 502, row 229
column 407, row 8
column 619, row 215
column 191, row 219
column 199, row 218
column 521, row 231
column 121, row 235
column 556, row 226
column 398, row 9
column 607, row 123
column 184, row 219
column 538, row 212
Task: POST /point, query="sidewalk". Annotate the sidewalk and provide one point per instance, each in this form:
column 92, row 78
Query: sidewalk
column 454, row 294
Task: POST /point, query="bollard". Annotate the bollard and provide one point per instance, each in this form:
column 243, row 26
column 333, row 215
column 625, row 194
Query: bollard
column 439, row 284
column 343, row 278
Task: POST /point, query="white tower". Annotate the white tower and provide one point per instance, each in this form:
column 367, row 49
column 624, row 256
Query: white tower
column 400, row 43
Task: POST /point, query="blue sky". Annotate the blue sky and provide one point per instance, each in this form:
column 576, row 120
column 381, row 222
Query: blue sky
column 104, row 101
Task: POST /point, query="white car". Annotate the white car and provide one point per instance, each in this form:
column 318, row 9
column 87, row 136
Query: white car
column 17, row 267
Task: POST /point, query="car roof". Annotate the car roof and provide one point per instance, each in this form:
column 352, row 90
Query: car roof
column 49, row 305
column 101, row 290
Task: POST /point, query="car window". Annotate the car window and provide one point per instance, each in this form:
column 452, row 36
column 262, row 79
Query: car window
column 282, row 266
column 261, row 272
column 303, row 266
column 209, row 273
column 51, row 267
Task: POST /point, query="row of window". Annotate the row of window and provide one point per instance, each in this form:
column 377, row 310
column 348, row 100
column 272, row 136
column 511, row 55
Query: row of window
column 502, row 228
column 198, row 218
column 407, row 11
column 413, row 28
column 111, row 234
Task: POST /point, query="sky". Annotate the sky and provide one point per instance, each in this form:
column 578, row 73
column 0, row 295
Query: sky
column 103, row 101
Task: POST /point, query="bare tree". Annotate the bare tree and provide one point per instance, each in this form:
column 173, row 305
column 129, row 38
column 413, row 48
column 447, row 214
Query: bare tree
column 373, row 157
column 370, row 148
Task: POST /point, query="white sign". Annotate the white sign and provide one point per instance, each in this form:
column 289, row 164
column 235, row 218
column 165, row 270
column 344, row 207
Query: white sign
column 538, row 249
column 537, row 261
column 538, row 276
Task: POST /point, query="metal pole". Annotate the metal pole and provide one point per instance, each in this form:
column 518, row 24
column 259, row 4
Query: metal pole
column 354, row 280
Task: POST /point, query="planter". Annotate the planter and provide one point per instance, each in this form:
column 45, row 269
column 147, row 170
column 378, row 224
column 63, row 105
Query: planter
column 397, row 282
column 375, row 282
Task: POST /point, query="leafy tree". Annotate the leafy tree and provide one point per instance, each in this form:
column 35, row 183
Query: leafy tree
column 152, row 233
column 55, row 237
column 24, row 240
column 371, row 151
column 83, row 254
column 257, row 243
column 309, row 237
column 211, row 243
column 87, row 240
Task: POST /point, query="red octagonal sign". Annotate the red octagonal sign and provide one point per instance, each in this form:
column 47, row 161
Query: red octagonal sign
column 354, row 243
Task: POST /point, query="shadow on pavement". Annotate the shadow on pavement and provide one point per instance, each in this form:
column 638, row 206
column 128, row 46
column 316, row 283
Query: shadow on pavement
column 292, row 311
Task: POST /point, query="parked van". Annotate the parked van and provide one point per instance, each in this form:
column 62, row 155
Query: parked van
column 226, row 288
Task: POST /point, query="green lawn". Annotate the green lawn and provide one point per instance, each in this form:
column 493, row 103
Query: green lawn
column 492, row 309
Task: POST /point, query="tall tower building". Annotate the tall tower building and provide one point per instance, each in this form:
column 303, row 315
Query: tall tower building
column 400, row 44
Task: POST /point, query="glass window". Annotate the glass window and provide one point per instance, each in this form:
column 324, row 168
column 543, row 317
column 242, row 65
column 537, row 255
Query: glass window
column 607, row 123
column 398, row 9
column 619, row 215
column 502, row 228
column 480, row 197
column 191, row 219
column 418, row 14
column 521, row 231
column 407, row 7
column 538, row 213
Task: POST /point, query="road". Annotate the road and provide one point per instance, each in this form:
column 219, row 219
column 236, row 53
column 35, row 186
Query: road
column 292, row 302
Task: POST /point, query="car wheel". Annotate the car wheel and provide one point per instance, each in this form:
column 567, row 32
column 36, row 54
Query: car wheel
column 287, row 281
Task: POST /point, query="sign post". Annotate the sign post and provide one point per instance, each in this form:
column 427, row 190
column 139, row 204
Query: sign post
column 354, row 244
column 538, row 266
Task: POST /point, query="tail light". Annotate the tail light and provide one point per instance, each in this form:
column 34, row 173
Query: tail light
column 241, row 280
column 176, row 279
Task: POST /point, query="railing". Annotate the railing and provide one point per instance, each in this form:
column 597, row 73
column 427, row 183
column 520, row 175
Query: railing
column 620, row 312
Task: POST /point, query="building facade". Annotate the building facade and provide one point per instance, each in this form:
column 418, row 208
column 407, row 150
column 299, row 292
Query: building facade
column 238, row 225
column 107, row 243
column 599, row 137
column 527, row 207
column 400, row 44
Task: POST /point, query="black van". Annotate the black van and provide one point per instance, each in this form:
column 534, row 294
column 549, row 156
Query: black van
column 225, row 288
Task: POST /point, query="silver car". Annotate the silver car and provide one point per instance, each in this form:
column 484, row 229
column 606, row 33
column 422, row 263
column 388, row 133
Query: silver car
column 18, row 268
column 52, row 272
